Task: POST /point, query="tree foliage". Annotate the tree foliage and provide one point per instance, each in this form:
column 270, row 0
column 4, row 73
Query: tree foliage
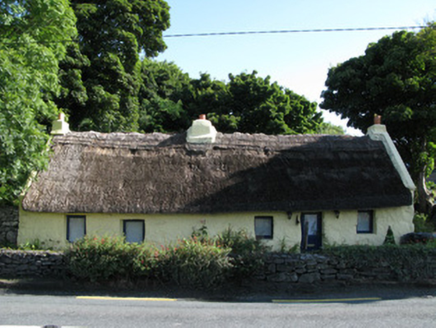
column 164, row 87
column 255, row 105
column 246, row 103
column 32, row 33
column 330, row 129
column 101, row 75
column 397, row 79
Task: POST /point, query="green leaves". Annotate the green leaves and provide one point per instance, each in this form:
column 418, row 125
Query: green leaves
column 170, row 100
column 28, row 70
column 396, row 78
column 101, row 77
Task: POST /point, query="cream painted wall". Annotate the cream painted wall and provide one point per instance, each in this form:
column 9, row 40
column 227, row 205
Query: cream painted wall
column 50, row 228
column 342, row 230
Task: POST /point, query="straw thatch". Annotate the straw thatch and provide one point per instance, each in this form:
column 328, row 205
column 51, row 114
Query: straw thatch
column 156, row 173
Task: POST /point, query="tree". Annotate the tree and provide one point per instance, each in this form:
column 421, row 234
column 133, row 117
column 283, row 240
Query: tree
column 253, row 104
column 331, row 129
column 247, row 103
column 397, row 79
column 102, row 74
column 32, row 35
column 163, row 87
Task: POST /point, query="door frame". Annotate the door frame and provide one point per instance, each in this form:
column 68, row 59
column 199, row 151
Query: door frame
column 311, row 242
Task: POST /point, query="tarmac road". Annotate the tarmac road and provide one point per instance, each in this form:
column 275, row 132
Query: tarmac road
column 39, row 302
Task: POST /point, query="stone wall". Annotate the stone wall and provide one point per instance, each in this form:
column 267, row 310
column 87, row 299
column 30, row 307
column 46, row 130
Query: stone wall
column 16, row 264
column 8, row 225
column 310, row 268
column 278, row 268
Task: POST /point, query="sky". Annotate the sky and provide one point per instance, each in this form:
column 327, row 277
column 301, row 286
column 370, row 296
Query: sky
column 296, row 61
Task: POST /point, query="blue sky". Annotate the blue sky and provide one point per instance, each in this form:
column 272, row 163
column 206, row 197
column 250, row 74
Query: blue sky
column 297, row 61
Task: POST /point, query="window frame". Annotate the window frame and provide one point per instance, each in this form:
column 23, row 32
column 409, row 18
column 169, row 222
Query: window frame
column 271, row 220
column 69, row 217
column 134, row 220
column 371, row 222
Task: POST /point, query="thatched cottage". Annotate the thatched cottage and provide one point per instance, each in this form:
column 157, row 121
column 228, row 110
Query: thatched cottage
column 307, row 190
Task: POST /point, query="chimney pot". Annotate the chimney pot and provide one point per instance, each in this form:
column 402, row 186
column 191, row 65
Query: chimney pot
column 377, row 119
column 201, row 131
column 60, row 127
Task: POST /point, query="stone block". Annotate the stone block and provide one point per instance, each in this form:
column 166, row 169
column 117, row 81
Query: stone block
column 343, row 276
column 300, row 270
column 271, row 268
column 311, row 267
column 341, row 265
column 309, row 278
column 278, row 277
column 284, row 268
column 323, row 266
column 328, row 277
column 283, row 277
column 329, row 271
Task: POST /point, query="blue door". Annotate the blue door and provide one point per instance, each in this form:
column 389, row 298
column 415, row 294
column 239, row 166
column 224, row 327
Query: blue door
column 311, row 231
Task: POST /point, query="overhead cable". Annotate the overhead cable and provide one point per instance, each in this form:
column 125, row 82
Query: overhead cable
column 295, row 31
column 325, row 30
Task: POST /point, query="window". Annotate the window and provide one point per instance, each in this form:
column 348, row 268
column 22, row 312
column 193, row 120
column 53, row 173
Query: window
column 76, row 227
column 365, row 221
column 134, row 230
column 263, row 227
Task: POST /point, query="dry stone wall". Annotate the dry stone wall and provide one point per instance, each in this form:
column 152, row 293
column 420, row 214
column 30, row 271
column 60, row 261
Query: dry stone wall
column 16, row 264
column 312, row 268
column 278, row 268
column 8, row 225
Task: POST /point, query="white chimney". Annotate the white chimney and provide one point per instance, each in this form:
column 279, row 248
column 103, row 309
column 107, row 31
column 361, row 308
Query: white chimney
column 378, row 132
column 201, row 131
column 60, row 127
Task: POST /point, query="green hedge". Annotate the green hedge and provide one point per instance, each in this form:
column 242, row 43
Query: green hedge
column 198, row 261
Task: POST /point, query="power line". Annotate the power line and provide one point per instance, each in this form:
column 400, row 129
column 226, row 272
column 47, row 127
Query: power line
column 325, row 30
column 295, row 31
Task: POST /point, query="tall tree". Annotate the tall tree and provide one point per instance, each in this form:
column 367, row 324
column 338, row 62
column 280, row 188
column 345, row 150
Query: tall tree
column 247, row 103
column 397, row 79
column 164, row 85
column 101, row 76
column 33, row 35
column 253, row 104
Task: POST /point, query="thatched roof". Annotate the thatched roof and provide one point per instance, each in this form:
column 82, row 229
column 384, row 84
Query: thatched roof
column 157, row 173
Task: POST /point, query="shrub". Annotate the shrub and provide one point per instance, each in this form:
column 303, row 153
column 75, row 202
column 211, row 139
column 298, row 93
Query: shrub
column 199, row 261
column 390, row 238
column 422, row 223
column 34, row 245
column 101, row 258
column 425, row 238
column 194, row 262
column 247, row 253
column 145, row 262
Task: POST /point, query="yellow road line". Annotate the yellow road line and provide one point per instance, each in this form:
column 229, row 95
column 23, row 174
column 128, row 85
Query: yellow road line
column 108, row 298
column 329, row 300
